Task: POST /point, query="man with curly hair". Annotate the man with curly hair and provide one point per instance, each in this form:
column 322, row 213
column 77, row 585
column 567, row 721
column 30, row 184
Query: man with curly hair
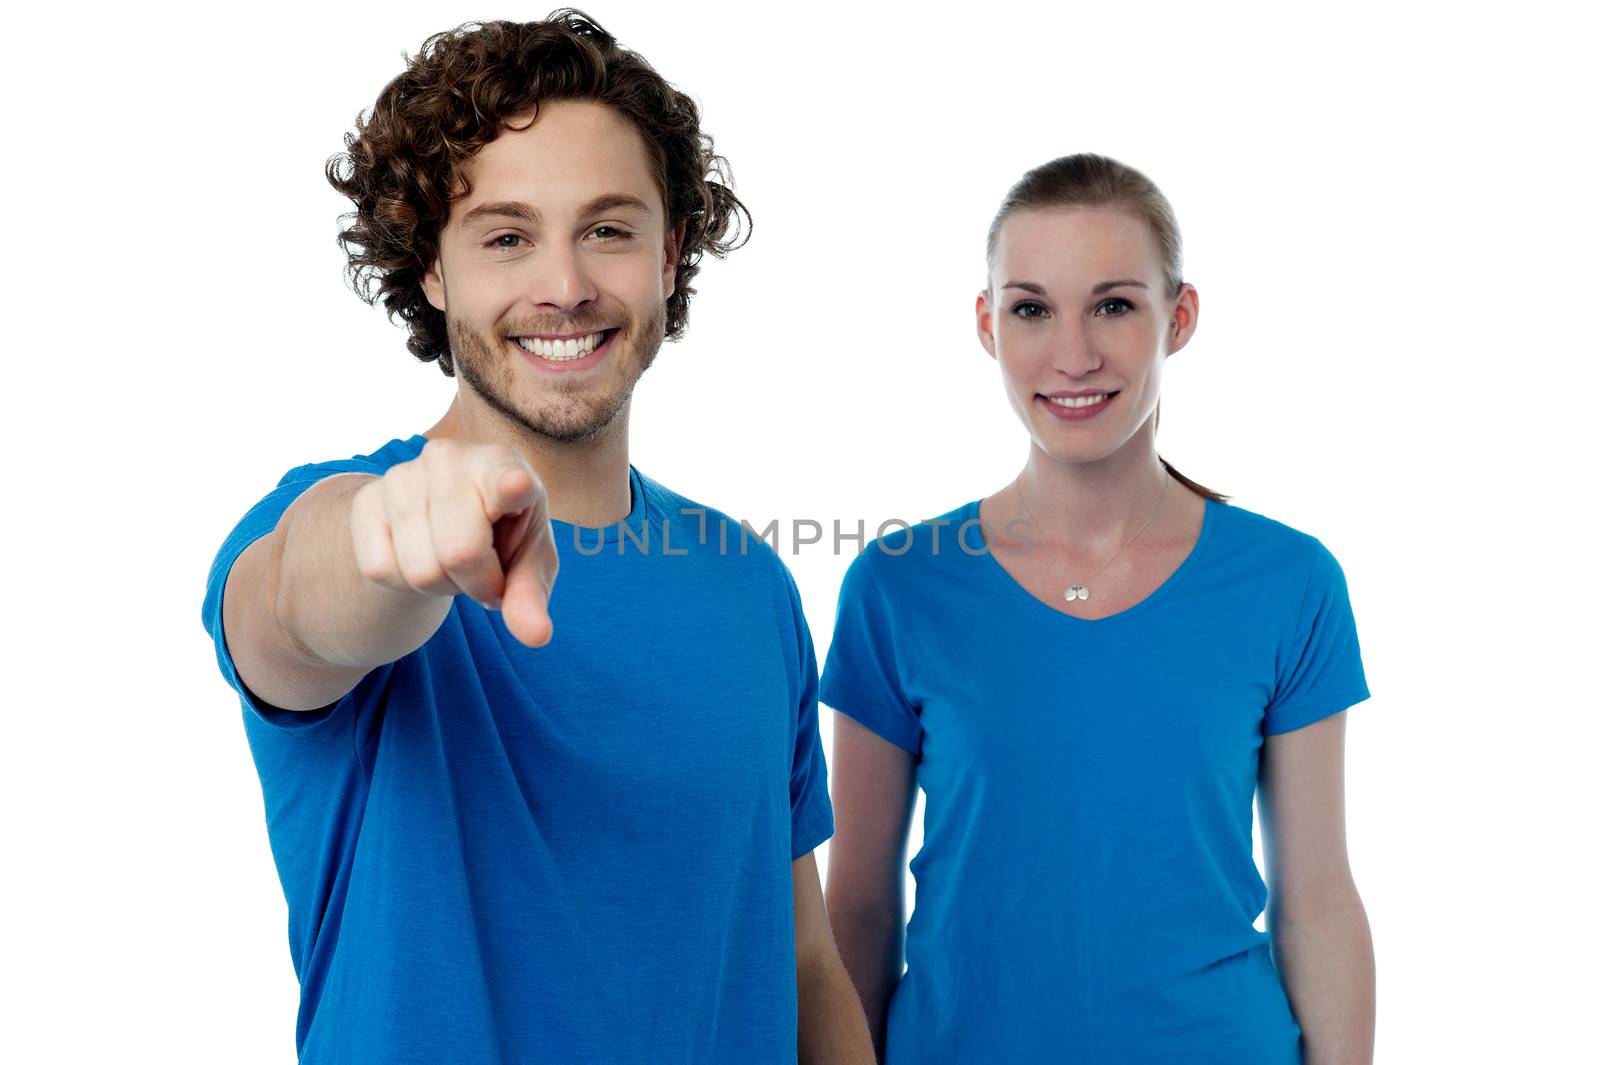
column 514, row 825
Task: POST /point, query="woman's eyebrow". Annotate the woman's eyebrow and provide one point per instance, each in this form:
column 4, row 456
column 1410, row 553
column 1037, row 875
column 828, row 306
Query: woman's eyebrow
column 1104, row 286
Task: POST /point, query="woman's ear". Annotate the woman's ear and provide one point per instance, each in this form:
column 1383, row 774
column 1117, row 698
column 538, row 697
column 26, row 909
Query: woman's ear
column 1185, row 316
column 985, row 313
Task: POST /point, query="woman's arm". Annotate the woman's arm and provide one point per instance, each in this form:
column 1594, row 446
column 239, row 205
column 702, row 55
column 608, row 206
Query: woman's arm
column 1320, row 938
column 874, row 793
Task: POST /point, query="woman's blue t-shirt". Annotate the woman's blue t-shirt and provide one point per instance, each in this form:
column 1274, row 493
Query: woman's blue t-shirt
column 577, row 852
column 1086, row 889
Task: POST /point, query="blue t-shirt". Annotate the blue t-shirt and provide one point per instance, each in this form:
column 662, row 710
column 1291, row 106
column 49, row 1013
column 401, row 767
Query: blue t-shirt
column 1086, row 891
column 581, row 852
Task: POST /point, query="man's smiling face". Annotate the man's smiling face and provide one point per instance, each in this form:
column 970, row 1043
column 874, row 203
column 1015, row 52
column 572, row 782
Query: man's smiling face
column 554, row 272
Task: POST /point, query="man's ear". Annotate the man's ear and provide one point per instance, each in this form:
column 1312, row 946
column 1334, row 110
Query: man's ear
column 985, row 315
column 433, row 285
column 671, row 249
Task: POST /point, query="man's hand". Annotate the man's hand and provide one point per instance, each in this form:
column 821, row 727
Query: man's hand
column 462, row 518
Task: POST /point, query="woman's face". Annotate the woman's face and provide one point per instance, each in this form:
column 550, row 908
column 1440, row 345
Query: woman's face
column 1077, row 307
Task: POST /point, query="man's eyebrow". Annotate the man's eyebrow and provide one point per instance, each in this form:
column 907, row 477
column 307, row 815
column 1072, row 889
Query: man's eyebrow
column 613, row 201
column 525, row 212
column 522, row 212
column 1104, row 286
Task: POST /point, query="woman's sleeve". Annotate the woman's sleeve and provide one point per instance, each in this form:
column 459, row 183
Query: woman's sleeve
column 861, row 677
column 1319, row 671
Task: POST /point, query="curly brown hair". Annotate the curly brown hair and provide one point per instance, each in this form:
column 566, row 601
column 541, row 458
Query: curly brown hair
column 404, row 164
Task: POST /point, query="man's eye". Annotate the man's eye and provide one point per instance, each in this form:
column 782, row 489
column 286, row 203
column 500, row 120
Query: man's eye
column 610, row 233
column 1122, row 303
column 495, row 243
column 1027, row 309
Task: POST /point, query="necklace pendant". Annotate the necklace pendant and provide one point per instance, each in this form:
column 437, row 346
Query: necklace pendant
column 1077, row 591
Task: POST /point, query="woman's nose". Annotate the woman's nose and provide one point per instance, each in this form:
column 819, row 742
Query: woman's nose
column 1075, row 355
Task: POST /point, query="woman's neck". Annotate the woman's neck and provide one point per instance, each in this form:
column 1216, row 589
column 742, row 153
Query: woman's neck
column 1093, row 507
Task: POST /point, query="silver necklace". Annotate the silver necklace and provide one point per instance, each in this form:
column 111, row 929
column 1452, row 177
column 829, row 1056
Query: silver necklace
column 1079, row 590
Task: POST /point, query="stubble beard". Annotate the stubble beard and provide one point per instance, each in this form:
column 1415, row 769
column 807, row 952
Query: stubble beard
column 559, row 413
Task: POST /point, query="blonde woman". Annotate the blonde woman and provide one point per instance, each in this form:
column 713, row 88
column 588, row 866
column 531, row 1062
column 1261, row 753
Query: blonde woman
column 1090, row 672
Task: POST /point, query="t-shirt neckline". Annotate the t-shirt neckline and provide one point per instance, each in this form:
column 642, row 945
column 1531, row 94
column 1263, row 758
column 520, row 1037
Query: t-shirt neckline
column 1208, row 524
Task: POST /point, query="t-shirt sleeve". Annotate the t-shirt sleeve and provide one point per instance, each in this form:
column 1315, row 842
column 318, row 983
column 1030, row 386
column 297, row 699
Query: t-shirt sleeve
column 810, row 809
column 324, row 722
column 861, row 678
column 1319, row 671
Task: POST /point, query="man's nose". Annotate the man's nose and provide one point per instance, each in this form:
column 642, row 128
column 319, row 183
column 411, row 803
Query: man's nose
column 559, row 278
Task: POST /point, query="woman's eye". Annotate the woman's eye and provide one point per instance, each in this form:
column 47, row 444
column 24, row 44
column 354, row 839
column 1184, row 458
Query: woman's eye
column 1124, row 304
column 1027, row 309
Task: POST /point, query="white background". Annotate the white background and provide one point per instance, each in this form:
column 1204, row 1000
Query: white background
column 1389, row 214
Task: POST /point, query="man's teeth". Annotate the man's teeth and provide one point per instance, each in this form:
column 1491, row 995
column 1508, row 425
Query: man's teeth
column 1080, row 401
column 561, row 350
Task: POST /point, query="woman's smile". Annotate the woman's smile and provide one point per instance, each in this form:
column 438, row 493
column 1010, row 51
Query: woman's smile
column 1076, row 408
